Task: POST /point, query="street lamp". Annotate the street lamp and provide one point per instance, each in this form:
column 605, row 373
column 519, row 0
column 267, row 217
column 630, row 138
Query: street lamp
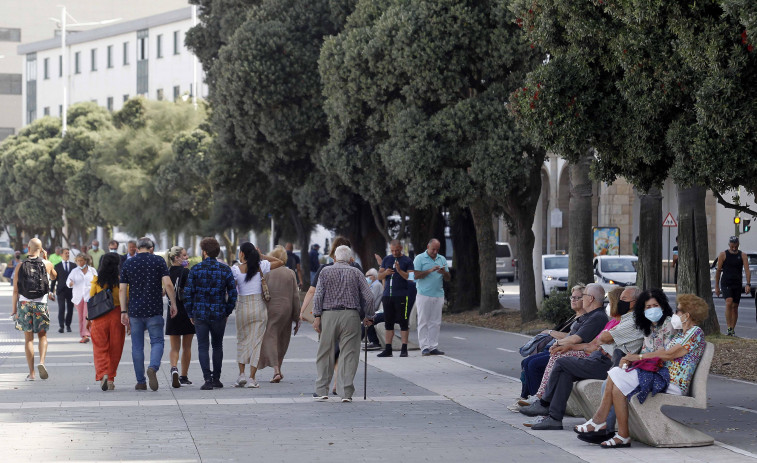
column 64, row 61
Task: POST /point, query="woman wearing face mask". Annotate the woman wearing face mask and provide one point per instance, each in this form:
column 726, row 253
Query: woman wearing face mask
column 80, row 281
column 179, row 329
column 283, row 310
column 674, row 338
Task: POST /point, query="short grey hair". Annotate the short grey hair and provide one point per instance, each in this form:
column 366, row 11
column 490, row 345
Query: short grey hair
column 372, row 272
column 343, row 254
column 145, row 243
column 596, row 290
column 636, row 291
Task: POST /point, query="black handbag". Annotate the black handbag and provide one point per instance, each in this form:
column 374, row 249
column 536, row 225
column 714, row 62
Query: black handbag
column 100, row 304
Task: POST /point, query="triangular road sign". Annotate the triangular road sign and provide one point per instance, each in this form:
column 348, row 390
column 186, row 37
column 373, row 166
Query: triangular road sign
column 669, row 221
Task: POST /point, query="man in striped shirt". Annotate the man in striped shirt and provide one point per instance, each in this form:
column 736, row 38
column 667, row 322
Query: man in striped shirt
column 342, row 299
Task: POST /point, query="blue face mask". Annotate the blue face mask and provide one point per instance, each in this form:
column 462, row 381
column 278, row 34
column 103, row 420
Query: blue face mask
column 82, row 267
column 368, row 280
column 653, row 314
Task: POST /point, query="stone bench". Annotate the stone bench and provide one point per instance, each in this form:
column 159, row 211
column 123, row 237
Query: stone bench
column 647, row 422
column 412, row 343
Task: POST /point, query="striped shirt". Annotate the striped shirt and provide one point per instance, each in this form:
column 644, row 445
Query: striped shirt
column 625, row 335
column 341, row 286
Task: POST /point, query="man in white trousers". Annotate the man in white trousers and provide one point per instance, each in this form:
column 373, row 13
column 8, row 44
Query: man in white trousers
column 430, row 269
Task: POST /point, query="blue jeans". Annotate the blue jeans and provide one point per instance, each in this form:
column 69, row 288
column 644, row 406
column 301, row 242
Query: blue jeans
column 532, row 371
column 210, row 333
column 154, row 326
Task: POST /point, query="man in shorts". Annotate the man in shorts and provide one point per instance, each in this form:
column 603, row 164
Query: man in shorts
column 394, row 272
column 730, row 264
column 30, row 308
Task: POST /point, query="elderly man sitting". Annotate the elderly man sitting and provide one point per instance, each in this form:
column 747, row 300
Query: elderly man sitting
column 342, row 299
column 624, row 336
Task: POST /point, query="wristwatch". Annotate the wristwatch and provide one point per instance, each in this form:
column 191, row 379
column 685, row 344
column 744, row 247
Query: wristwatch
column 641, row 356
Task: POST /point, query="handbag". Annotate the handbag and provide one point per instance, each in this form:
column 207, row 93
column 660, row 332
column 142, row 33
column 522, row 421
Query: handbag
column 100, row 304
column 536, row 344
column 650, row 364
column 307, row 314
column 264, row 284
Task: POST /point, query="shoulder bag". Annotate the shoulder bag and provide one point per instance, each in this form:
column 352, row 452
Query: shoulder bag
column 264, row 285
column 100, row 304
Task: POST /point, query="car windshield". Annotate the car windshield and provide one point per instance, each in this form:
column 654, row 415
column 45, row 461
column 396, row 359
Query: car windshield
column 618, row 265
column 551, row 263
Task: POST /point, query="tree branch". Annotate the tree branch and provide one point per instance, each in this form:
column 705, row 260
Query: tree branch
column 733, row 206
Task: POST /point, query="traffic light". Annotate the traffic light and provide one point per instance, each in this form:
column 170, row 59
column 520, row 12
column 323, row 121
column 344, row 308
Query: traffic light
column 737, row 220
column 747, row 225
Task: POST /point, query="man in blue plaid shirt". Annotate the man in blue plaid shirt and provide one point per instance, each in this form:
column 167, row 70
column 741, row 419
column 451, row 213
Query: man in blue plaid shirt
column 210, row 296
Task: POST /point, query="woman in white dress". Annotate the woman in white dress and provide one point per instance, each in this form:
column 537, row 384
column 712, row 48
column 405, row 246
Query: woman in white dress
column 80, row 280
column 251, row 310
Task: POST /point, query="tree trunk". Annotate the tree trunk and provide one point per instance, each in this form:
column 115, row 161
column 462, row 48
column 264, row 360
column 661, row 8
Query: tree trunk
column 465, row 292
column 580, row 240
column 426, row 224
column 650, row 240
column 365, row 237
column 693, row 252
column 521, row 210
column 481, row 211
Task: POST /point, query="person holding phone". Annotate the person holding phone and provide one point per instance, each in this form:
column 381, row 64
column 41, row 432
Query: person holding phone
column 430, row 271
column 395, row 272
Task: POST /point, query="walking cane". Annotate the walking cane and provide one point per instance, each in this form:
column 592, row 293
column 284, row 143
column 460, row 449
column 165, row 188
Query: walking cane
column 365, row 371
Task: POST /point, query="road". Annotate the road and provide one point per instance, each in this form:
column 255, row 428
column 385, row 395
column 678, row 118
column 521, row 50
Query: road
column 745, row 328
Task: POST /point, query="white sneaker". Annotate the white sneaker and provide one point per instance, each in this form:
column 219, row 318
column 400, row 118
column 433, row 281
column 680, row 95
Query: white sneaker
column 533, row 421
column 251, row 383
column 529, row 401
column 241, row 381
column 514, row 407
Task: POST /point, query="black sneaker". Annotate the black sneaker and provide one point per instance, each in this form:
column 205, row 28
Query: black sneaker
column 435, row 352
column 184, row 381
column 60, row 330
column 68, row 329
column 373, row 346
column 385, row 353
column 320, row 398
column 175, row 377
column 403, row 353
column 217, row 384
column 208, row 386
column 152, row 379
column 425, row 352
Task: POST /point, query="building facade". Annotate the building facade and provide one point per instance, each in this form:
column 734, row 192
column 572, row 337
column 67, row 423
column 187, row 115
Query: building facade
column 110, row 64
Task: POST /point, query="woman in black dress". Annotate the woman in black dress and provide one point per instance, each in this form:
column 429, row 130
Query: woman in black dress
column 179, row 329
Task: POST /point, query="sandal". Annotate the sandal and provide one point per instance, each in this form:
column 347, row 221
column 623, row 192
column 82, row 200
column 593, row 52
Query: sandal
column 584, row 428
column 612, row 443
column 277, row 378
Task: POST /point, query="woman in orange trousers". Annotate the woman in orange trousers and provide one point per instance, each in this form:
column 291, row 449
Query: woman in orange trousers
column 107, row 332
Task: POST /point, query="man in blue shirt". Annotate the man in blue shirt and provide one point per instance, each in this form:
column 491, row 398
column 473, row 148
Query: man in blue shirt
column 143, row 279
column 394, row 272
column 210, row 296
column 430, row 270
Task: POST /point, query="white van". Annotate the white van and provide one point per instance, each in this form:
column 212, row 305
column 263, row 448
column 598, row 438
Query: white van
column 613, row 271
column 554, row 272
column 505, row 261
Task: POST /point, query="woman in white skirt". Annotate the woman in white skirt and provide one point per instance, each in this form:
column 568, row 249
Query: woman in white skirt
column 251, row 311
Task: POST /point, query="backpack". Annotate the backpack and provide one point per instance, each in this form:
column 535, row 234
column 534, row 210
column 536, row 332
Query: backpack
column 32, row 279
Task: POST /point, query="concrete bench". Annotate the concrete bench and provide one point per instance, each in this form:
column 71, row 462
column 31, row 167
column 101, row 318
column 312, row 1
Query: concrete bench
column 412, row 343
column 647, row 422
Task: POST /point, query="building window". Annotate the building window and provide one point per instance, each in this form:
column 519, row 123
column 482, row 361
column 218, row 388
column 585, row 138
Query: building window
column 77, row 62
column 46, row 68
column 6, row 132
column 143, row 76
column 46, row 110
column 126, row 53
column 31, row 68
column 60, row 110
column 10, row 34
column 10, row 84
column 31, row 115
column 176, row 93
column 159, row 43
column 126, row 98
column 176, row 45
column 160, row 94
column 142, row 48
column 109, row 53
column 110, row 103
column 60, row 65
column 93, row 57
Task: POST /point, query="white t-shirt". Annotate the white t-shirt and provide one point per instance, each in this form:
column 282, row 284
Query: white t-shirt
column 245, row 288
column 82, row 283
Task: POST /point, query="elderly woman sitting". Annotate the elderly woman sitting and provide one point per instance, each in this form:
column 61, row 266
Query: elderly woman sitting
column 680, row 358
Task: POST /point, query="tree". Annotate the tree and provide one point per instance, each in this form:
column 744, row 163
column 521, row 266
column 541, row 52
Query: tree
column 416, row 88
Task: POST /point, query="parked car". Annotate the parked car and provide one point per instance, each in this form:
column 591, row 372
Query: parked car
column 751, row 258
column 505, row 261
column 614, row 271
column 554, row 273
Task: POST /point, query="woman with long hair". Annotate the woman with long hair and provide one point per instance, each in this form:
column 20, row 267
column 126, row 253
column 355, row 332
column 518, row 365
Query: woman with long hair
column 179, row 329
column 80, row 281
column 252, row 314
column 108, row 333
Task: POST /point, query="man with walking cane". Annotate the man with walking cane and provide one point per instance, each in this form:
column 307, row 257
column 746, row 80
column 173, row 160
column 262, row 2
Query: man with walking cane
column 342, row 299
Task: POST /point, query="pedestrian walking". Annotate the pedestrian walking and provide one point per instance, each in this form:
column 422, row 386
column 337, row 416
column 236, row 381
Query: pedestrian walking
column 283, row 310
column 252, row 313
column 60, row 292
column 179, row 329
column 209, row 298
column 95, row 253
column 31, row 283
column 430, row 270
column 314, row 264
column 731, row 263
column 342, row 299
column 107, row 331
column 143, row 278
column 80, row 281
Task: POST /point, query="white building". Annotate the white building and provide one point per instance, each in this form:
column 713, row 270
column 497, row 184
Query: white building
column 110, row 64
